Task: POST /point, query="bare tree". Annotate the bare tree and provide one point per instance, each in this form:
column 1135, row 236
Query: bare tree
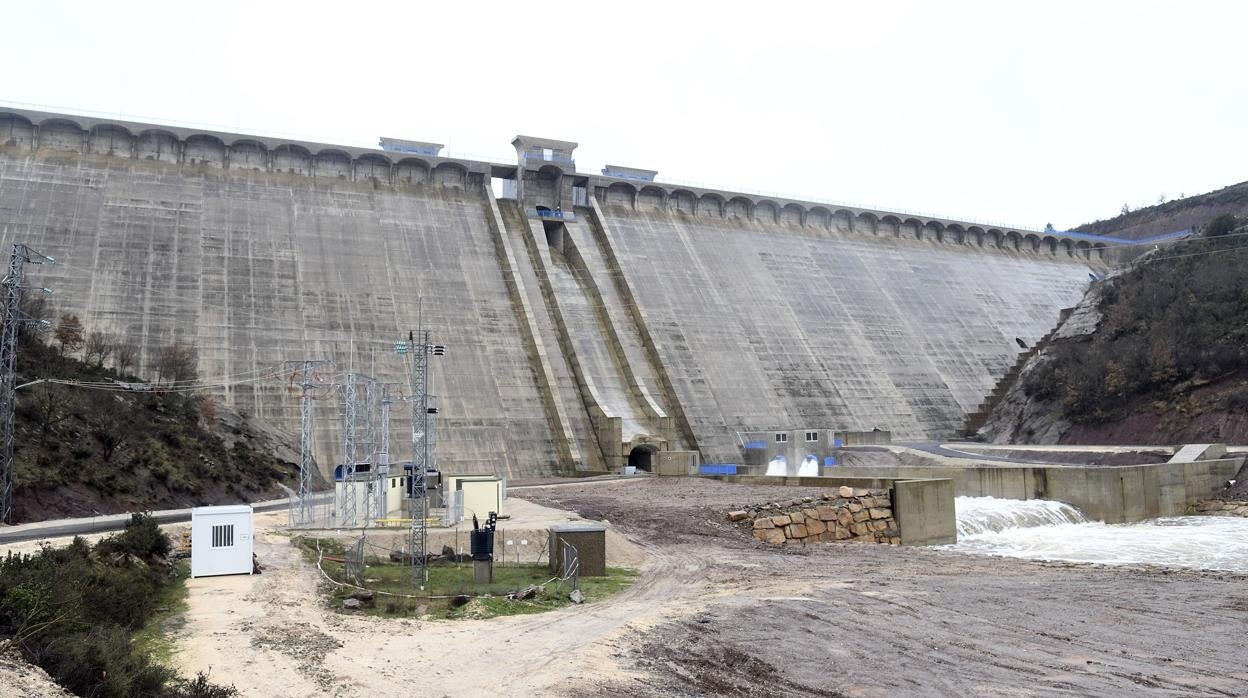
column 98, row 347
column 125, row 355
column 69, row 333
column 178, row 362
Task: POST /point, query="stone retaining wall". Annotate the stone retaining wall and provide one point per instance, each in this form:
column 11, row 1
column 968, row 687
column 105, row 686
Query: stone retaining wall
column 847, row 514
column 1214, row 507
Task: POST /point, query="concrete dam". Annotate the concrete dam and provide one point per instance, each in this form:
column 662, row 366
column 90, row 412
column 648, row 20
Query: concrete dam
column 588, row 318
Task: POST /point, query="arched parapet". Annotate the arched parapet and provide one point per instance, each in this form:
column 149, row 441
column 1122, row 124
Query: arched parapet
column 622, row 194
column 110, row 139
column 1083, row 249
column 292, row 159
column 992, row 238
column 766, row 212
column 16, row 131
column 651, row 198
column 160, row 146
column 911, row 229
column 1048, row 245
column 202, row 149
column 331, row 164
column 975, row 236
column 866, row 223
column 819, row 218
column 953, row 234
column 411, row 171
column 739, row 207
column 1012, row 241
column 372, row 166
column 711, row 206
column 843, row 221
column 932, row 231
column 889, row 227
column 247, row 154
column 1066, row 247
column 61, row 134
column 682, row 201
column 1031, row 243
column 792, row 214
column 450, row 175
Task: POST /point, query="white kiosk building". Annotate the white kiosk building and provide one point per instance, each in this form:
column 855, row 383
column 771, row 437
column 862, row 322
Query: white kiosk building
column 221, row 540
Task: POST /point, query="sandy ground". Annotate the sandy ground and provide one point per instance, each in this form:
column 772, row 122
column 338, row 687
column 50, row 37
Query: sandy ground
column 715, row 613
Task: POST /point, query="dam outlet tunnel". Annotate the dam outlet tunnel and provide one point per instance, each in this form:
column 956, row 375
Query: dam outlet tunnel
column 643, row 457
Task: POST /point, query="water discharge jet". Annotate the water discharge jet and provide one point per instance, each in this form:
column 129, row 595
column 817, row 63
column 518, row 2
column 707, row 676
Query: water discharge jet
column 1047, row 530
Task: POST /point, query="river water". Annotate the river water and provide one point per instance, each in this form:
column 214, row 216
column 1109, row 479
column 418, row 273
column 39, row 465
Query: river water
column 1045, row 530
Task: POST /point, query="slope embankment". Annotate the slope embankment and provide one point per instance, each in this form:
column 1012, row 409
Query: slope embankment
column 1152, row 355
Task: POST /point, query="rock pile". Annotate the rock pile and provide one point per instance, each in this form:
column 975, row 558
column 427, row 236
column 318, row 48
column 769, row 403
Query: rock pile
column 1214, row 507
column 846, row 514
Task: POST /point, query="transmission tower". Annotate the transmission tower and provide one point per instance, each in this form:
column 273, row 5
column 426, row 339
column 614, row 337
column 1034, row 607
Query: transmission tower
column 302, row 510
column 350, row 421
column 419, row 377
column 14, row 319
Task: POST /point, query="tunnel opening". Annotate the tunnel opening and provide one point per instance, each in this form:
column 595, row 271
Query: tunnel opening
column 642, row 458
column 554, row 230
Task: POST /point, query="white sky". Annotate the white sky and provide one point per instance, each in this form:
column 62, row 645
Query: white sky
column 1022, row 113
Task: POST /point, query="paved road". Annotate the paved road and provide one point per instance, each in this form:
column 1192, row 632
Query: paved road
column 938, row 449
column 111, row 522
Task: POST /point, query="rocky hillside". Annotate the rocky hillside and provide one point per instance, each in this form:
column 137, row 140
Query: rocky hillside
column 1191, row 212
column 81, row 451
column 1156, row 353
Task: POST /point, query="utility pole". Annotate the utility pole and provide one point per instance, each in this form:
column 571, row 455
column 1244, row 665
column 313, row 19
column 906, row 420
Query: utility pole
column 14, row 319
column 302, row 510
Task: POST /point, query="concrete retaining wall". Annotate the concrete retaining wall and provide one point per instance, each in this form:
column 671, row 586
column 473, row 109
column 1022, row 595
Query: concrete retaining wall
column 1114, row 494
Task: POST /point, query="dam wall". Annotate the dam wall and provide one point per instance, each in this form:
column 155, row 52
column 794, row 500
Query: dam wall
column 255, row 268
column 590, row 321
column 764, row 324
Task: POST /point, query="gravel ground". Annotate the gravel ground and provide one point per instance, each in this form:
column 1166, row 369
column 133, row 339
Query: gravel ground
column 878, row 620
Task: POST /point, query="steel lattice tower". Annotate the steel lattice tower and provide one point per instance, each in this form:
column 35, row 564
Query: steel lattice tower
column 13, row 320
column 303, row 510
column 421, row 453
column 350, row 421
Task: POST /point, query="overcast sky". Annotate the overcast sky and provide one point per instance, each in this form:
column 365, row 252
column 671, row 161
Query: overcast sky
column 1022, row 113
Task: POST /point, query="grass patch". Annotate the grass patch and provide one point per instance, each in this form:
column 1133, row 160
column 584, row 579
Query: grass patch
column 154, row 638
column 456, row 579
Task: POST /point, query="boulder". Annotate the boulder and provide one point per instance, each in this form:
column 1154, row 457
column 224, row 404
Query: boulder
column 859, row 529
column 845, row 491
column 880, row 513
column 797, row 518
column 854, row 507
column 782, row 520
column 826, row 513
column 770, row 535
column 810, row 514
column 814, row 527
column 737, row 515
column 861, row 516
column 798, row 530
column 351, row 604
column 860, row 492
column 844, row 517
column 842, row 533
column 760, row 524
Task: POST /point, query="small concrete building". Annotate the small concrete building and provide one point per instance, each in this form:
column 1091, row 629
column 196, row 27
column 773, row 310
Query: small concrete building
column 221, row 539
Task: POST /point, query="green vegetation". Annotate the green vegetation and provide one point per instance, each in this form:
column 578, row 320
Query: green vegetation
column 75, row 611
column 79, row 450
column 1170, row 326
column 455, row 579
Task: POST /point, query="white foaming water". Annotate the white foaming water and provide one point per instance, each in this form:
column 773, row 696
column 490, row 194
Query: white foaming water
column 777, row 466
column 809, row 467
column 1044, row 530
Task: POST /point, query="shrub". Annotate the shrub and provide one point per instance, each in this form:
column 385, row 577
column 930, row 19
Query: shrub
column 1221, row 225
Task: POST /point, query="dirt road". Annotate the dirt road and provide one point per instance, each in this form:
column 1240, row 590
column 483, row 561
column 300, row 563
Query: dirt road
column 714, row 612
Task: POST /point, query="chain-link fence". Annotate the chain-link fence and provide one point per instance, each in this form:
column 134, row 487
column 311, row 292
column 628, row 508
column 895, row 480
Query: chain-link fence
column 354, row 563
